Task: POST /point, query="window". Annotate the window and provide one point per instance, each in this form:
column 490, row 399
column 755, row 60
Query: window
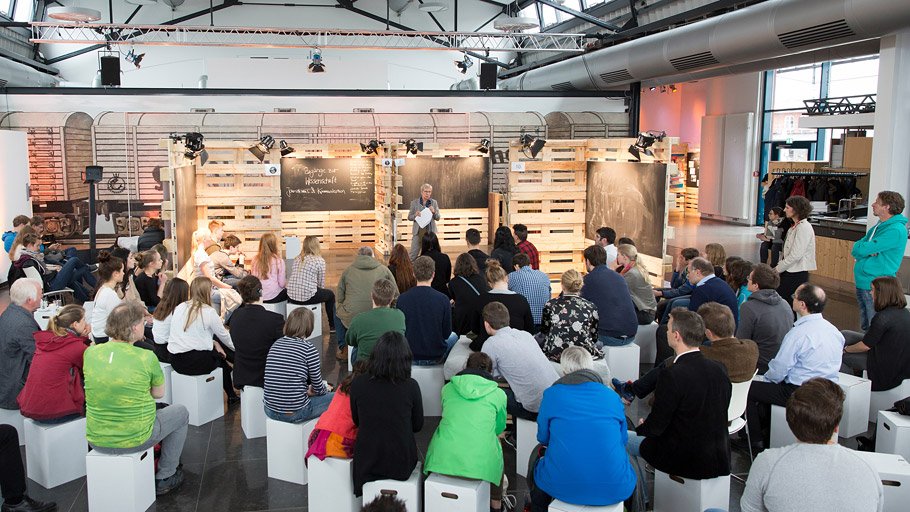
column 571, row 4
column 548, row 16
column 853, row 77
column 5, row 7
column 592, row 3
column 25, row 10
column 793, row 85
column 531, row 12
column 785, row 126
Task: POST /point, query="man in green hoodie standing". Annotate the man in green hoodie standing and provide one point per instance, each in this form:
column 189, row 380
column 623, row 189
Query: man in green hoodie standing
column 881, row 251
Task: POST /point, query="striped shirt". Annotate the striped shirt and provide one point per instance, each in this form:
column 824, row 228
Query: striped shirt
column 291, row 367
column 306, row 276
column 534, row 285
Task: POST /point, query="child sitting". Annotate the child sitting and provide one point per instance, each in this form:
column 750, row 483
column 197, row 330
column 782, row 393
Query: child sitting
column 335, row 431
column 772, row 237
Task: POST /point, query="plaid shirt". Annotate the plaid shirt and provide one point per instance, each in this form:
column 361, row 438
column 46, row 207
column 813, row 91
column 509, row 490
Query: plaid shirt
column 529, row 249
column 534, row 285
column 306, row 276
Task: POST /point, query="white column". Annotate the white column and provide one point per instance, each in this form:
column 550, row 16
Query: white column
column 14, row 198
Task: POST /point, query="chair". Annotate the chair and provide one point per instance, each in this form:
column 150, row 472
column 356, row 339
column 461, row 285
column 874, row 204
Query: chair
column 317, row 316
column 881, row 400
column 450, row 494
column 200, row 394
column 894, row 471
column 120, row 483
column 168, row 372
column 431, row 381
column 252, row 413
column 646, row 339
column 14, row 417
column 677, row 494
column 55, row 453
column 32, row 273
column 559, row 506
column 736, row 414
column 525, row 441
column 892, row 435
column 858, row 391
column 286, row 447
column 334, row 479
column 279, row 307
column 408, row 490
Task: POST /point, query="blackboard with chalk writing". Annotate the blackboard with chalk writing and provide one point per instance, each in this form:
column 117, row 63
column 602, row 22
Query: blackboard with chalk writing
column 326, row 184
column 458, row 182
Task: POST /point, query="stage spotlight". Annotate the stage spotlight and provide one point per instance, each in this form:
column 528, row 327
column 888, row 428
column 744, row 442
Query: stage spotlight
column 372, row 147
column 532, row 144
column 646, row 140
column 262, row 148
column 412, row 146
column 464, row 64
column 484, row 146
column 285, row 149
column 316, row 66
column 193, row 147
column 134, row 59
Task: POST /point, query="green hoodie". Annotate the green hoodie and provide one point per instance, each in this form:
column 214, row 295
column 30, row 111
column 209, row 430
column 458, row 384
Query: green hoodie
column 466, row 442
column 880, row 252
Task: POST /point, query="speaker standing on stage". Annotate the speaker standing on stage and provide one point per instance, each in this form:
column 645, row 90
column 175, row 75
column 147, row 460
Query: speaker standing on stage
column 417, row 206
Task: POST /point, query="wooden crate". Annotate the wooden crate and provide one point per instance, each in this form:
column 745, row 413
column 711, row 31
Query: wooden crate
column 336, row 230
column 554, row 263
column 617, row 150
column 450, row 228
column 546, row 208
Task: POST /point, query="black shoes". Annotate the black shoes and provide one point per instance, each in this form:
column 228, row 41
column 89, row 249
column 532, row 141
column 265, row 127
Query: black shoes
column 29, row 505
column 170, row 483
column 233, row 400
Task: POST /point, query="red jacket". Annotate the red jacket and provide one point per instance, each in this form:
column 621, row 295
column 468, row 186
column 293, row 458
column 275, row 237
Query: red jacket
column 54, row 385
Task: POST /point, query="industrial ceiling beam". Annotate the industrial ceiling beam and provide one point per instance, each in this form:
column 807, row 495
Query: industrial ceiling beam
column 580, row 15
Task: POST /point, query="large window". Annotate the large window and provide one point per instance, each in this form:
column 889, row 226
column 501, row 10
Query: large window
column 793, row 85
column 17, row 10
column 6, row 7
column 853, row 77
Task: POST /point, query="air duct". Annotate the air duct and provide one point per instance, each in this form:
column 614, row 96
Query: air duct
column 14, row 74
column 758, row 33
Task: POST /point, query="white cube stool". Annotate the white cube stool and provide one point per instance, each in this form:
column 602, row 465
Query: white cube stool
column 646, row 339
column 292, row 247
column 525, row 441
column 883, row 400
column 14, row 417
column 317, row 317
column 252, row 414
column 120, row 483
column 331, row 485
column 559, row 506
column 450, row 494
column 286, row 447
column 431, row 381
column 856, row 405
column 202, row 395
column 43, row 316
column 168, row 371
column 408, row 491
column 894, row 471
column 279, row 307
column 893, row 434
column 623, row 361
column 677, row 494
column 55, row 453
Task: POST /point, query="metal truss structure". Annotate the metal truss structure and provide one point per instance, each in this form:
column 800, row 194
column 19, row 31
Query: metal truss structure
column 262, row 37
column 860, row 104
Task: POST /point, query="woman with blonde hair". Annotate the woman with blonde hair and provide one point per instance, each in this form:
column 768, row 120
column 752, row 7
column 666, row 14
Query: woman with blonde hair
column 190, row 342
column 204, row 267
column 268, row 266
column 53, row 390
column 519, row 309
column 717, row 255
column 569, row 320
column 635, row 274
column 307, row 282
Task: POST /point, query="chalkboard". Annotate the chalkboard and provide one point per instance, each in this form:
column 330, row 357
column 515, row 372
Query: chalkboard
column 630, row 197
column 458, row 182
column 326, row 184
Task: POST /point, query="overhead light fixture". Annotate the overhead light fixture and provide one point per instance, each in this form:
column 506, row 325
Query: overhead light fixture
column 484, row 146
column 412, row 146
column 73, row 14
column 316, row 66
column 646, row 140
column 531, row 144
column 433, row 7
column 285, row 148
column 134, row 59
column 193, row 146
column 672, row 88
column 516, row 23
column 372, row 147
column 262, row 148
column 653, row 87
column 464, row 64
column 142, row 2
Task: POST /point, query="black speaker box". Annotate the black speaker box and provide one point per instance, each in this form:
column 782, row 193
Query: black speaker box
column 487, row 75
column 110, row 71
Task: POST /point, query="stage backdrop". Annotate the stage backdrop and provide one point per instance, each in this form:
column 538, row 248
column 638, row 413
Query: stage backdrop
column 327, row 184
column 458, row 182
column 631, row 198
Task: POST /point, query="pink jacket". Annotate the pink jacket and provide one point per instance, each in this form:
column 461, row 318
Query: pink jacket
column 275, row 280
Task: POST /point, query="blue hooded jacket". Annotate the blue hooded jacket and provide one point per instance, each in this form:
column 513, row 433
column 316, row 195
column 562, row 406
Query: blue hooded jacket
column 880, row 252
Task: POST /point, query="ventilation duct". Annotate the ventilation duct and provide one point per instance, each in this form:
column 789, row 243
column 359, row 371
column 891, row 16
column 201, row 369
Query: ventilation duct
column 762, row 32
column 14, row 74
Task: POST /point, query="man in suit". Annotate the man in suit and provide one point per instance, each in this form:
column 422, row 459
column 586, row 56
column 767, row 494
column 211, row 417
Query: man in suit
column 417, row 206
column 17, row 344
column 686, row 433
column 253, row 329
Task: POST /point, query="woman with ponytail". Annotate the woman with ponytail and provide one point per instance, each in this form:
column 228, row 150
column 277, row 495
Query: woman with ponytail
column 53, row 390
column 108, row 295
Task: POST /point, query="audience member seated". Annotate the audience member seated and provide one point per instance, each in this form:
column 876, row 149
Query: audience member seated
column 354, row 291
column 465, row 289
column 213, row 236
column 253, row 330
column 56, row 277
column 190, row 341
column 152, row 235
column 269, row 267
column 429, row 247
column 53, row 390
column 533, row 284
column 111, row 271
column 150, row 281
column 815, row 473
column 16, row 248
column 812, row 348
column 367, row 327
column 526, row 247
column 466, row 443
column 385, row 503
column 176, row 292
column 717, row 255
column 765, row 317
column 121, row 385
column 583, row 433
column 294, row 391
column 428, row 317
column 517, row 358
column 772, row 238
column 569, row 320
column 335, row 432
column 680, row 287
column 226, row 270
column 387, row 409
column 12, row 476
column 472, row 237
column 738, row 279
column 49, row 244
column 686, row 432
column 636, row 276
column 128, row 284
column 606, row 238
column 400, row 266
column 19, row 223
column 607, row 290
column 728, row 264
column 519, row 310
column 204, row 267
column 307, row 283
column 17, row 323
column 883, row 349
column 504, row 247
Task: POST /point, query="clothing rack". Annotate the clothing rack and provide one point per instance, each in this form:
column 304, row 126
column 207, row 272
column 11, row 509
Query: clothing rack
column 822, row 174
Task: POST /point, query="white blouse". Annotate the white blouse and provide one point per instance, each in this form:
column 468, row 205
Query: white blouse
column 105, row 301
column 799, row 249
column 198, row 335
column 161, row 330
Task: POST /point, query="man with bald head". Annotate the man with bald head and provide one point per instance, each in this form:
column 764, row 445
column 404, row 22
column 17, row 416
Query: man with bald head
column 812, row 348
column 17, row 343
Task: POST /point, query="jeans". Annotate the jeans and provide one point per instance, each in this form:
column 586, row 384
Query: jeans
column 610, row 341
column 450, row 342
column 514, row 407
column 866, row 308
column 633, row 448
column 316, row 406
column 762, row 395
column 169, row 430
column 769, row 250
column 322, row 296
column 664, row 307
column 12, row 472
column 66, row 277
column 340, row 331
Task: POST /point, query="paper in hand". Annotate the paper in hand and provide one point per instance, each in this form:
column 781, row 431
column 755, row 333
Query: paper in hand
column 424, row 217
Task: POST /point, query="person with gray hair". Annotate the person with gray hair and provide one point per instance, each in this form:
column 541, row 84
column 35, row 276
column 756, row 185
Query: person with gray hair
column 575, row 358
column 353, row 295
column 17, row 323
column 418, row 205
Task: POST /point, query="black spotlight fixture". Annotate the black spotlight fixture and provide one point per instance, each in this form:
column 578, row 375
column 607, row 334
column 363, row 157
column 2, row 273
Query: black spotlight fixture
column 464, row 64
column 316, row 64
column 645, row 140
column 285, row 148
column 484, row 146
column 531, row 144
column 134, row 59
column 262, row 148
column 412, row 146
column 193, row 147
column 372, row 147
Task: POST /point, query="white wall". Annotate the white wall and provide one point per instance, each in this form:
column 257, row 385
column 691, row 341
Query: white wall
column 14, row 192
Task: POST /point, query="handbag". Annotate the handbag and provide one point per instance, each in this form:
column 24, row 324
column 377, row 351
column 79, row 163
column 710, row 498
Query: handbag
column 902, row 406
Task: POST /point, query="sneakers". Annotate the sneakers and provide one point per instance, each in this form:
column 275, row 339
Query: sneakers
column 342, row 355
column 170, row 483
column 624, row 389
column 29, row 505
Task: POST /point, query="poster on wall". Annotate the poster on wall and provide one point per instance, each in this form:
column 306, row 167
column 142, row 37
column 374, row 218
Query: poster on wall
column 325, row 184
column 458, row 182
column 630, row 197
